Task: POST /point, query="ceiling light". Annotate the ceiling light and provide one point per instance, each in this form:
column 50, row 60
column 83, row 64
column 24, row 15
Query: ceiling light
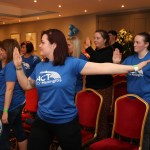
column 38, row 18
column 59, row 15
column 59, row 6
column 122, row 6
column 35, row 1
column 3, row 22
column 19, row 20
column 85, row 10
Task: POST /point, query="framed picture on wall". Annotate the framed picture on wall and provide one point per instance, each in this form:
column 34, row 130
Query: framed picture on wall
column 32, row 37
column 15, row 36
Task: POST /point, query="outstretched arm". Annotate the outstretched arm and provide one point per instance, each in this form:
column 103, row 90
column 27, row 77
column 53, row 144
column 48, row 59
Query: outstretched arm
column 26, row 83
column 110, row 68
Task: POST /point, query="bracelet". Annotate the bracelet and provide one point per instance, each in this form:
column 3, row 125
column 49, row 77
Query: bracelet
column 136, row 68
column 19, row 68
column 5, row 110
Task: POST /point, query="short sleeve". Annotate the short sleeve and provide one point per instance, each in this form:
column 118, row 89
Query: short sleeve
column 10, row 72
column 78, row 65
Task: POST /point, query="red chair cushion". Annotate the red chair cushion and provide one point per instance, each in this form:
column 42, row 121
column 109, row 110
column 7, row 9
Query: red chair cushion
column 31, row 100
column 112, row 144
column 25, row 116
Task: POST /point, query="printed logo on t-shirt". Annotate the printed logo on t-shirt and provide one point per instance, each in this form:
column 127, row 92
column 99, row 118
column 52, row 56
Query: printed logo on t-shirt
column 136, row 73
column 47, row 77
column 26, row 65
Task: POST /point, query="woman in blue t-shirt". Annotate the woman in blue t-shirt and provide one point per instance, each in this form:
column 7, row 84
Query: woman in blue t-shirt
column 29, row 61
column 12, row 98
column 55, row 81
column 138, row 82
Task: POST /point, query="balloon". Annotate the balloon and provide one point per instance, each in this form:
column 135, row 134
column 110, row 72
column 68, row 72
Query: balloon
column 71, row 26
column 73, row 30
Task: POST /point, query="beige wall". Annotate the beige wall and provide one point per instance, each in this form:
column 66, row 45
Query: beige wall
column 134, row 22
column 86, row 24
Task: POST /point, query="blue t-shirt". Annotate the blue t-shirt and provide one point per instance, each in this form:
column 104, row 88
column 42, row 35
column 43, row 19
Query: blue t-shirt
column 30, row 63
column 56, row 89
column 8, row 74
column 139, row 82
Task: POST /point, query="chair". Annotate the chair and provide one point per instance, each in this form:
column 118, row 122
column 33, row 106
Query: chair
column 130, row 117
column 119, row 77
column 89, row 103
column 119, row 89
column 30, row 109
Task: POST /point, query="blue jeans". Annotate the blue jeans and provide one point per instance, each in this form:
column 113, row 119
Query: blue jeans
column 15, row 123
column 146, row 137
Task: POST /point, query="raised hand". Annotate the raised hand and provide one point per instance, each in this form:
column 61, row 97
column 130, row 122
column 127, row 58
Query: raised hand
column 87, row 42
column 17, row 58
column 117, row 56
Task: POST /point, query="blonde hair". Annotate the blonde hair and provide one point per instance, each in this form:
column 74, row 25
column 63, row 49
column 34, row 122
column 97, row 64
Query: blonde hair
column 74, row 40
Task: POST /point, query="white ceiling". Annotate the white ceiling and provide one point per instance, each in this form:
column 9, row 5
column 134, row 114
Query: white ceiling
column 15, row 11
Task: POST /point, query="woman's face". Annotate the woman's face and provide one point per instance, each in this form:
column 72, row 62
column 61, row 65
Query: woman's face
column 99, row 41
column 70, row 47
column 46, row 48
column 23, row 50
column 139, row 44
column 3, row 54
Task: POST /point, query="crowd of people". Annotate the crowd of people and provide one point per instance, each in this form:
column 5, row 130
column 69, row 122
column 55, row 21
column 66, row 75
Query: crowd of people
column 64, row 71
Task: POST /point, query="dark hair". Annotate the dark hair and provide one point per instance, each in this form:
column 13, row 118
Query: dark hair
column 61, row 50
column 105, row 35
column 113, row 32
column 29, row 46
column 146, row 37
column 8, row 45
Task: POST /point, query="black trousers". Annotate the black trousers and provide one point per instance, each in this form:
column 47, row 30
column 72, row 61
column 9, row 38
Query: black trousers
column 43, row 133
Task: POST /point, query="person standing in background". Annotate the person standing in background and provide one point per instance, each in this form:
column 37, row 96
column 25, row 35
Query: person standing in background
column 12, row 98
column 101, row 83
column 29, row 61
column 113, row 40
column 138, row 82
column 74, row 47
